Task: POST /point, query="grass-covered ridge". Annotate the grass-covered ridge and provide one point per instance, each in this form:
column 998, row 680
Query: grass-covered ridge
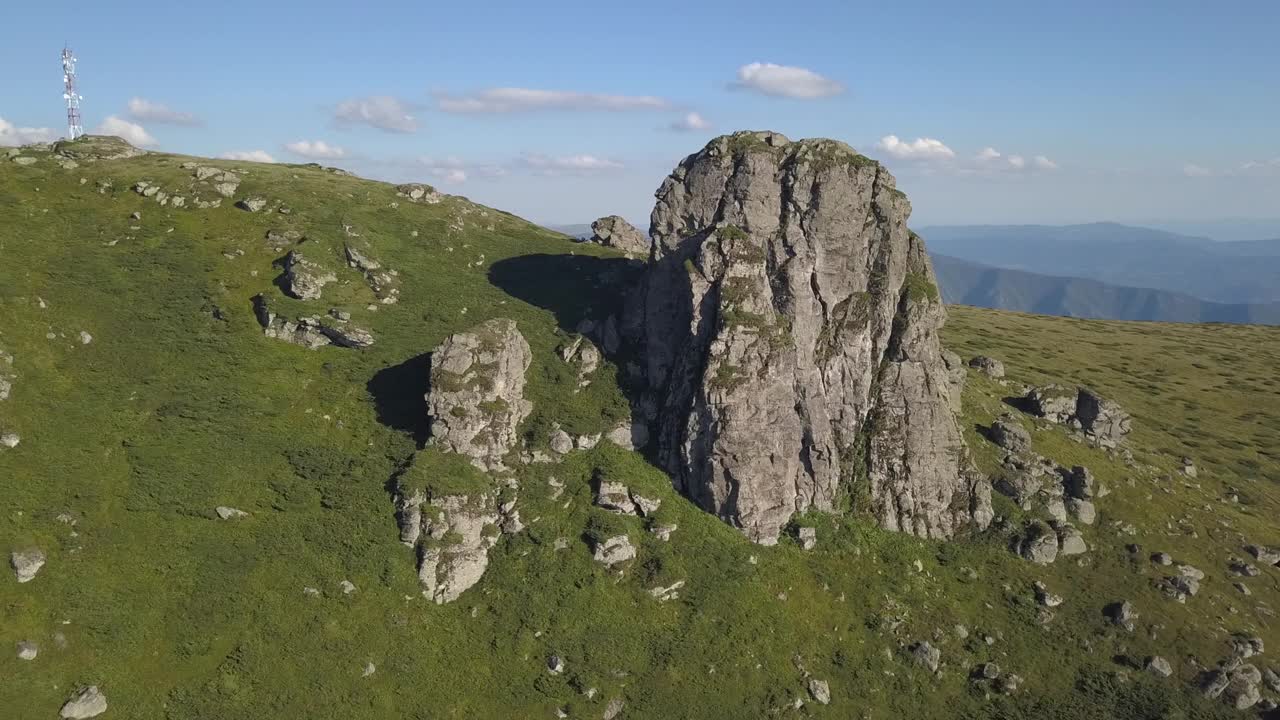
column 180, row 404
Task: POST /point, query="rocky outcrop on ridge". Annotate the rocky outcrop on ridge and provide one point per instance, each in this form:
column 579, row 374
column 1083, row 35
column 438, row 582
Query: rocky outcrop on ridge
column 615, row 232
column 475, row 403
column 477, row 392
column 452, row 535
column 304, row 278
column 789, row 318
column 1100, row 419
column 310, row 332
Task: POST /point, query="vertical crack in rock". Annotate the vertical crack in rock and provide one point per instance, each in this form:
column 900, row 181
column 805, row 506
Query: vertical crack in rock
column 788, row 320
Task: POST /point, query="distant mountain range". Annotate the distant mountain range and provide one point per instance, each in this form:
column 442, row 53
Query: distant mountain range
column 1221, row 272
column 1100, row 270
column 968, row 283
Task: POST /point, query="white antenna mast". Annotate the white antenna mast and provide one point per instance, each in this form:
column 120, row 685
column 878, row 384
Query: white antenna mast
column 74, row 128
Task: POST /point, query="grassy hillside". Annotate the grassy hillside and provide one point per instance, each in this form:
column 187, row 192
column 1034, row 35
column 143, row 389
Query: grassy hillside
column 993, row 287
column 180, row 404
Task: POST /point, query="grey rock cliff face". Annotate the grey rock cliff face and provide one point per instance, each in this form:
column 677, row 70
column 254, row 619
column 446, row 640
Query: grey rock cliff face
column 789, row 320
column 477, row 392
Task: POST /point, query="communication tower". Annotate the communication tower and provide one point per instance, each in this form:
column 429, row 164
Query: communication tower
column 74, row 128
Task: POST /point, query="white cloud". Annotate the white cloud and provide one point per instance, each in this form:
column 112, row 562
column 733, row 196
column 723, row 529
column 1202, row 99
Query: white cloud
column 918, row 149
column 261, row 156
column 1193, row 170
column 11, row 134
column 510, row 100
column 786, row 81
column 456, row 171
column 316, row 149
column 569, row 164
column 144, row 110
column 132, row 133
column 691, row 122
column 380, row 111
column 991, row 160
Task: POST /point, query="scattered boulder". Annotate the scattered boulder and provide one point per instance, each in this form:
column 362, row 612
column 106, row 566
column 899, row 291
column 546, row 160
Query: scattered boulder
column 348, row 336
column 1189, row 467
column 555, row 664
column 1157, row 665
column 1070, row 540
column 9, row 440
column 1263, row 554
column 926, row 655
column 230, row 513
column 613, row 550
column 308, row 332
column 419, row 193
column 670, row 592
column 1162, row 558
column 253, row 204
column 561, row 442
column 1238, row 684
column 1038, row 544
column 1082, row 510
column 85, row 703
column 764, row 374
column 1046, row 598
column 990, row 367
column 477, row 399
column 26, row 563
column 305, row 279
column 613, row 709
column 807, row 536
column 1121, row 613
column 614, row 497
column 23, row 160
column 1010, row 435
column 1101, row 419
column 612, row 231
column 27, row 650
column 820, row 691
column 1079, row 483
column 1247, row 647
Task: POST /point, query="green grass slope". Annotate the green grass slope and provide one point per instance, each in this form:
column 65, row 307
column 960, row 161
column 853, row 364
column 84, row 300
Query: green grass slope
column 180, row 404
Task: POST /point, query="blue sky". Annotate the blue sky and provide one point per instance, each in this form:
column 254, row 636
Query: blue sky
column 562, row 111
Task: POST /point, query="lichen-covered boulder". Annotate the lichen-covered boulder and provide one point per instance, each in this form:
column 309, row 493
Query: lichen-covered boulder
column 452, row 535
column 477, row 400
column 305, row 279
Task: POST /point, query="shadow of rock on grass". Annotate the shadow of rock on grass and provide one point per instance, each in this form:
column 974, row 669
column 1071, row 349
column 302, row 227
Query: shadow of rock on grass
column 572, row 287
column 399, row 396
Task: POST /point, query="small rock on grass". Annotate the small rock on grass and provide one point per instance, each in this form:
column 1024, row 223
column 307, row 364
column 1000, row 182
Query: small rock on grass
column 26, row 563
column 85, row 703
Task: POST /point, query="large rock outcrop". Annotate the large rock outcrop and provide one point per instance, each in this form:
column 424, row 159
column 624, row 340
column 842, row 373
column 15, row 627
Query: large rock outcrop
column 477, row 399
column 788, row 320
